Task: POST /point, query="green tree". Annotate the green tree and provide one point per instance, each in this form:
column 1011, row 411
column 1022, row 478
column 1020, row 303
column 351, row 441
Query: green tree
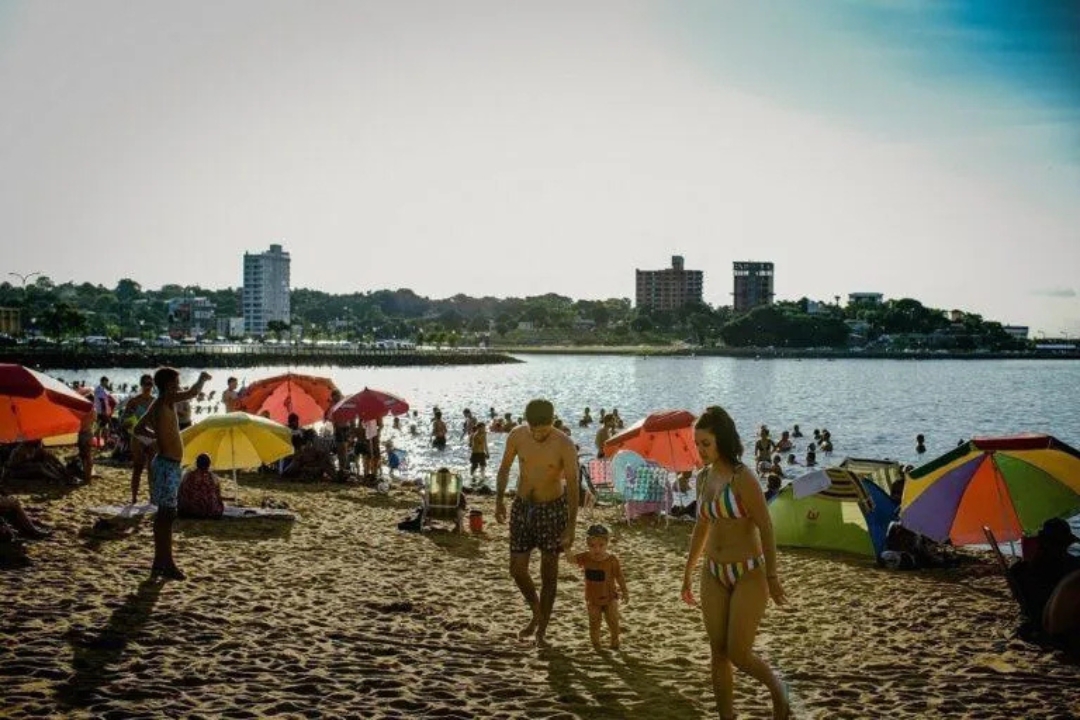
column 277, row 327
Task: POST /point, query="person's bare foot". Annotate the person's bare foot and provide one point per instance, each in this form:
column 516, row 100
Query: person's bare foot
column 526, row 632
column 541, row 641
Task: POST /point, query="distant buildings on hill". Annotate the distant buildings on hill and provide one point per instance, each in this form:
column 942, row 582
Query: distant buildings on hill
column 266, row 289
column 669, row 288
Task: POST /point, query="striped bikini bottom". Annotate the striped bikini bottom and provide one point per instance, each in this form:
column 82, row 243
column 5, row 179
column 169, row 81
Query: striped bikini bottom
column 729, row 573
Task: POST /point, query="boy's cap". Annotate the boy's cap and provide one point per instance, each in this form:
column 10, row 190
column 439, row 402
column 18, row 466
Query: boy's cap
column 596, row 531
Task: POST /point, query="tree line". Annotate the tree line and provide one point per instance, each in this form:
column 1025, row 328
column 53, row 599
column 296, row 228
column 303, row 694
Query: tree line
column 129, row 310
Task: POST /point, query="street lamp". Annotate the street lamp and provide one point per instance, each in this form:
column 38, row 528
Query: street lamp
column 25, row 277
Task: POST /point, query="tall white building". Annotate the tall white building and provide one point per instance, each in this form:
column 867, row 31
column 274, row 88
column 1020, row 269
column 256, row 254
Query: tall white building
column 266, row 289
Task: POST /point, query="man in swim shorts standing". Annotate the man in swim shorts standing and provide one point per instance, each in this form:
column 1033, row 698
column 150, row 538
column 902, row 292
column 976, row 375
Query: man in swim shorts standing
column 544, row 510
column 161, row 423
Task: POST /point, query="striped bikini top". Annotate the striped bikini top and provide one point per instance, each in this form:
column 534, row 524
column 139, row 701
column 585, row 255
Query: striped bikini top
column 724, row 506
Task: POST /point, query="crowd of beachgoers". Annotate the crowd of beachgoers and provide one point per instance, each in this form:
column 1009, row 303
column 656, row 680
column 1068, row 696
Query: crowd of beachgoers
column 374, row 453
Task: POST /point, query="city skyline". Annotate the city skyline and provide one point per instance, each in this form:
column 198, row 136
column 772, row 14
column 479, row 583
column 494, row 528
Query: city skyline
column 922, row 150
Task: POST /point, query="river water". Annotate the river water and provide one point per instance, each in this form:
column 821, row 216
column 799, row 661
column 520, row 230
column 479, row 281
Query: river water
column 873, row 408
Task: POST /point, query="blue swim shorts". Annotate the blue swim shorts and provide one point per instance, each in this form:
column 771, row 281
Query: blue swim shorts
column 165, row 478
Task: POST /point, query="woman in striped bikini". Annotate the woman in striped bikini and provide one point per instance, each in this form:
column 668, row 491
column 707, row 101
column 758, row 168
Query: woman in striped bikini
column 734, row 532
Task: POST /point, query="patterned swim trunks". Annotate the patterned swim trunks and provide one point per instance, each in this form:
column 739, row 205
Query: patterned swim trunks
column 537, row 525
column 165, row 478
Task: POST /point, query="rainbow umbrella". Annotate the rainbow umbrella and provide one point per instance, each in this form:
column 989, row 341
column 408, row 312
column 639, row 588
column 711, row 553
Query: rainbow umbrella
column 665, row 437
column 1010, row 484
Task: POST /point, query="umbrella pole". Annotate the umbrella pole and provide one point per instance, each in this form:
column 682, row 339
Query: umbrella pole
column 232, row 449
column 998, row 481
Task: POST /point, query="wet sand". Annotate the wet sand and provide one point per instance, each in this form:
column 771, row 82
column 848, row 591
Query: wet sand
column 343, row 616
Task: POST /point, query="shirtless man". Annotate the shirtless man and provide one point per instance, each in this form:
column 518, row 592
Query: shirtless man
column 141, row 451
column 544, row 511
column 161, row 422
column 230, row 398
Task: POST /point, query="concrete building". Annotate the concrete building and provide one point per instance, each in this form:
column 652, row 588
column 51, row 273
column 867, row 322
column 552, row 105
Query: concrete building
column 669, row 288
column 753, row 285
column 865, row 298
column 191, row 315
column 230, row 327
column 266, row 289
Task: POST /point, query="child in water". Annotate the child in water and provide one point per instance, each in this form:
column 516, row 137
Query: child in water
column 604, row 585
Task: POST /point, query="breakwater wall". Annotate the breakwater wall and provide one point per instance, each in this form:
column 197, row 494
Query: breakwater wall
column 243, row 357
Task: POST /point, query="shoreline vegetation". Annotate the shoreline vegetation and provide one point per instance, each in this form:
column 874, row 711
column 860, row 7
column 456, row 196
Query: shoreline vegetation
column 213, row 356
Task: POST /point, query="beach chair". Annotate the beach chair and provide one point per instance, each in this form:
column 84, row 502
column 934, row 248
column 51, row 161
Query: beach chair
column 443, row 499
column 602, row 481
column 1010, row 578
column 648, row 492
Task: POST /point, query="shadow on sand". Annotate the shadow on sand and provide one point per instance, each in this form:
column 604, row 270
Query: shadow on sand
column 95, row 655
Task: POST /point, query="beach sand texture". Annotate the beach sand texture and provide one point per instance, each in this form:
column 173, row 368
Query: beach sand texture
column 343, row 616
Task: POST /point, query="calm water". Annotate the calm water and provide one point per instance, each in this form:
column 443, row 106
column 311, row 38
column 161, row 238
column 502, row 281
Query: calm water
column 873, row 408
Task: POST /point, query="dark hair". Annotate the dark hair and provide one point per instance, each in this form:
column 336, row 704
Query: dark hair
column 292, row 417
column 203, row 461
column 146, row 379
column 716, row 420
column 163, row 376
column 539, row 412
column 597, row 531
column 232, row 380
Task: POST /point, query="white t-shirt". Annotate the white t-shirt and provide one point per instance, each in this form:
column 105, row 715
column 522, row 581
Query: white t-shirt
column 101, row 400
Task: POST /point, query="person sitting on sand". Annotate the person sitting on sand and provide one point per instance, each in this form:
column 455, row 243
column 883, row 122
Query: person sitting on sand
column 31, row 461
column 310, row 461
column 605, row 585
column 683, row 489
column 1037, row 578
column 12, row 512
column 200, row 492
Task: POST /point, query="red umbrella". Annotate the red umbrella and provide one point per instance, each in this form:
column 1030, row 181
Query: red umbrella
column 35, row 406
column 368, row 405
column 306, row 395
column 666, row 437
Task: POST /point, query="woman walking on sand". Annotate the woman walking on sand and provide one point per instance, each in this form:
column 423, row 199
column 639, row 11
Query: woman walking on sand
column 734, row 531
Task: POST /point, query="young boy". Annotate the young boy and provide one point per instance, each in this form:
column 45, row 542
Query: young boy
column 479, row 447
column 161, row 423
column 604, row 585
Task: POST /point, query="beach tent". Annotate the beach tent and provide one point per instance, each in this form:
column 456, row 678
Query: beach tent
column 885, row 473
column 839, row 511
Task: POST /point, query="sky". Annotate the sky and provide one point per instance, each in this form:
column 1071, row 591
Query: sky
column 926, row 149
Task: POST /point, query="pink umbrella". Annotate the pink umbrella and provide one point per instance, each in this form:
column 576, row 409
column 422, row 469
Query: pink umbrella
column 368, row 405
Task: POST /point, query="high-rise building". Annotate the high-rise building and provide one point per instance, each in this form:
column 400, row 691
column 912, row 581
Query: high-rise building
column 669, row 288
column 266, row 289
column 753, row 285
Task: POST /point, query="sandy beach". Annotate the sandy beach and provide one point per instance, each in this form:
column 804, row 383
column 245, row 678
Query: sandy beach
column 343, row 616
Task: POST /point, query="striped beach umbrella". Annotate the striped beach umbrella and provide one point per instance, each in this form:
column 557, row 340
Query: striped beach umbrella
column 1010, row 484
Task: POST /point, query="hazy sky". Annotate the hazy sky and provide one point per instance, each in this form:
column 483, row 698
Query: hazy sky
column 925, row 149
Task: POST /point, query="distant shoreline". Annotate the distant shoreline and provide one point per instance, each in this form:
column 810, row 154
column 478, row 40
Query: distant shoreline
column 767, row 353
column 249, row 356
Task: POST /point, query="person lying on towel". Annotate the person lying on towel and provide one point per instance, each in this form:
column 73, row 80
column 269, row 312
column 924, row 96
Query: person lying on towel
column 200, row 492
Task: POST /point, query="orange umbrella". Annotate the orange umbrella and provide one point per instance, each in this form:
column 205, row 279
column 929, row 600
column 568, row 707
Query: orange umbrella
column 665, row 437
column 306, row 395
column 34, row 406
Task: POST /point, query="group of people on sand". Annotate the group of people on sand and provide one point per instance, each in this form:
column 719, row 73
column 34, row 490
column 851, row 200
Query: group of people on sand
column 732, row 536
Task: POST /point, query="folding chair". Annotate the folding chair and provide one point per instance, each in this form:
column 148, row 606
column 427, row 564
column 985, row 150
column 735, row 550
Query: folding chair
column 443, row 499
column 602, row 481
column 1014, row 586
